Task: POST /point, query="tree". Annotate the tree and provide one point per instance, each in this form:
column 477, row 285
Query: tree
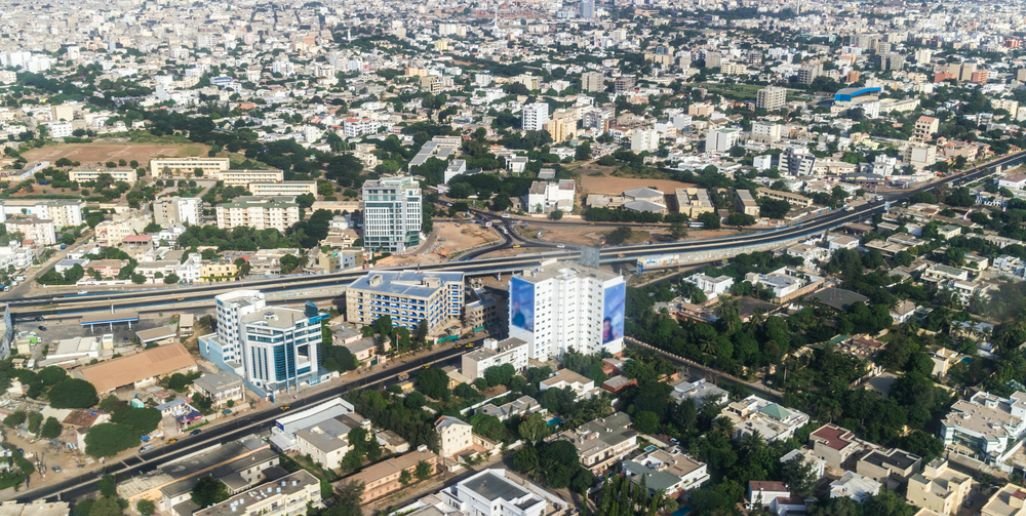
column 209, row 491
column 51, row 428
column 72, row 393
column 145, row 507
column 35, row 421
column 533, row 428
column 499, row 375
column 423, row 471
column 106, row 506
column 798, row 476
column 107, row 439
column 141, row 420
column 583, row 151
column 709, row 220
column 678, row 230
column 405, row 477
column 347, row 497
column 305, row 201
column 108, row 486
column 15, row 419
column 434, row 383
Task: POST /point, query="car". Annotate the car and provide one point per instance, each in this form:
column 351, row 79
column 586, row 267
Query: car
column 196, row 431
column 83, row 292
column 146, row 448
column 560, row 246
column 41, row 327
column 516, row 246
column 172, row 440
column 55, row 469
column 285, row 408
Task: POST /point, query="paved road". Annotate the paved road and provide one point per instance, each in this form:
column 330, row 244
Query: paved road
column 242, row 426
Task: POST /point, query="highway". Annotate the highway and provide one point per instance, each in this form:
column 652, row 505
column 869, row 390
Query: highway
column 152, row 300
column 242, row 426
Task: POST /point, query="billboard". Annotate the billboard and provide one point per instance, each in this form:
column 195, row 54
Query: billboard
column 613, row 312
column 521, row 304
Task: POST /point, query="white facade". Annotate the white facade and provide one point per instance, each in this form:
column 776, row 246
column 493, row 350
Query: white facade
column 230, row 308
column 560, row 307
column 495, row 353
column 535, row 116
column 718, row 141
column 278, row 213
column 545, row 196
column 494, row 492
column 392, row 213
column 63, row 212
column 644, row 140
column 454, row 436
column 280, row 348
column 117, row 174
column 39, row 231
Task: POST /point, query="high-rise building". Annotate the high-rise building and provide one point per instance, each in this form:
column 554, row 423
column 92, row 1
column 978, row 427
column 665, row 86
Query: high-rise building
column 225, row 347
column 592, row 82
column 924, row 129
column 176, row 211
column 587, row 10
column 392, row 213
column 624, row 83
column 407, row 298
column 809, row 72
column 771, row 98
column 718, row 141
column 280, row 348
column 561, row 307
column 534, row 116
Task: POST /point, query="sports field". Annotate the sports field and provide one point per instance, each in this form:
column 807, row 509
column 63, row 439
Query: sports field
column 101, row 152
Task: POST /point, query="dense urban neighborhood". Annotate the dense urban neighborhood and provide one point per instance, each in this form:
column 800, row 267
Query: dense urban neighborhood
column 513, row 258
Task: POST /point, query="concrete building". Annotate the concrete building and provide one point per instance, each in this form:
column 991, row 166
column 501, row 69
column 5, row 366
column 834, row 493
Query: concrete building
column 603, row 442
column 766, row 132
column 700, row 392
column 492, row 492
column 454, row 436
column 854, row 486
column 592, row 82
column 939, row 488
column 924, row 129
column 559, row 307
column 580, row 385
column 771, row 98
column 408, row 298
column 225, row 347
column 260, row 213
column 63, row 212
column 283, row 189
column 291, row 495
column 456, row 167
column 382, row 478
column 534, row 116
column 644, row 140
column 721, row 140
column 163, row 167
column 768, row 420
column 548, row 196
column 693, row 202
column 177, row 211
column 392, row 213
column 123, row 175
column 495, row 353
column 280, row 349
column 245, row 177
column 669, row 472
column 1010, row 500
column 39, row 231
column 746, row 203
column 891, row 467
column 985, row 425
column 221, row 387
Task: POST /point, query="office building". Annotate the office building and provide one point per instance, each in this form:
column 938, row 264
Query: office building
column 259, row 213
column 62, row 212
column 693, row 201
column 408, row 298
column 534, row 116
column 173, row 167
column 986, row 425
column 797, row 161
column 392, row 213
column 771, row 98
column 177, row 211
column 559, row 307
column 721, row 140
column 592, row 82
column 808, row 73
column 280, row 348
column 118, row 175
column 746, row 203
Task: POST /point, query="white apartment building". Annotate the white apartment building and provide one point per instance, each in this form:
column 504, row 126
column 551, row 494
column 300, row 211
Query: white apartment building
column 644, row 140
column 545, row 196
column 985, row 426
column 225, row 346
column 495, row 353
column 492, row 492
column 246, row 177
column 534, row 116
column 457, row 167
column 392, row 213
column 177, row 211
column 290, row 495
column 283, row 189
column 32, row 228
column 559, row 307
column 126, row 175
column 186, row 166
column 63, row 212
column 279, row 213
column 357, row 127
column 60, row 129
column 720, row 140
column 766, row 132
column 454, row 436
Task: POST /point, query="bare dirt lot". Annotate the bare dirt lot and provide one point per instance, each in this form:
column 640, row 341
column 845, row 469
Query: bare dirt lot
column 448, row 240
column 103, row 151
column 613, row 185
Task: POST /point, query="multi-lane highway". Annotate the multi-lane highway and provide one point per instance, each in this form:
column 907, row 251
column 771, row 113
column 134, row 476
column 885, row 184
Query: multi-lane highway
column 242, row 426
column 153, row 300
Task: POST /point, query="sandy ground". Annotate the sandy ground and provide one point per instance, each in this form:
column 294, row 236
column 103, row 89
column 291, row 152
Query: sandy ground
column 613, row 185
column 449, row 239
column 99, row 152
column 592, row 235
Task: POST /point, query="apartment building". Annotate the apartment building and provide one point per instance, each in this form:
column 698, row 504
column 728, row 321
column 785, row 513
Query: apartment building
column 185, row 167
column 494, row 353
column 768, row 420
column 118, row 175
column 225, row 347
column 454, row 436
column 924, row 129
column 392, row 213
column 593, row 82
column 985, row 425
column 40, row 232
column 693, row 202
column 891, row 467
column 62, row 212
column 603, row 442
column 771, row 98
column 291, row 495
column 280, row 348
column 721, row 140
column 382, row 478
column 766, row 132
column 177, row 211
column 492, row 492
column 1010, row 500
column 534, row 116
column 558, row 307
column 283, row 189
column 835, row 445
column 580, row 385
column 259, row 213
column 408, row 298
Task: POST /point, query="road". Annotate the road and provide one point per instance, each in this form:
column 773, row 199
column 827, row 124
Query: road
column 249, row 424
column 473, row 265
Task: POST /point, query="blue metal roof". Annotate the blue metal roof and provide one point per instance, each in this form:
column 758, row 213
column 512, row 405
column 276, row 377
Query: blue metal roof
column 847, row 94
